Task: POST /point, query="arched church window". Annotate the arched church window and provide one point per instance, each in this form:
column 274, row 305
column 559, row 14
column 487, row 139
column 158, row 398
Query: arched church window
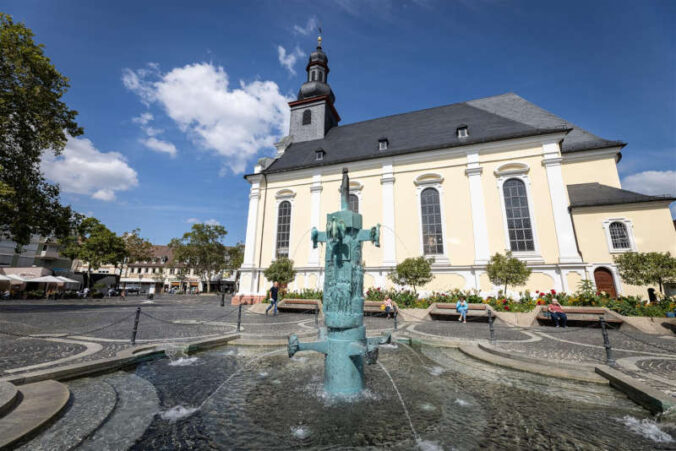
column 433, row 242
column 283, row 229
column 518, row 217
column 353, row 202
column 619, row 235
column 307, row 117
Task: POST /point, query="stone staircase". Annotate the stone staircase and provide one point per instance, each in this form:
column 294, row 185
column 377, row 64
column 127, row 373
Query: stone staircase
column 28, row 408
column 102, row 413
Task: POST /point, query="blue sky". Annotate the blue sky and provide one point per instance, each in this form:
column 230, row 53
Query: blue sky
column 178, row 99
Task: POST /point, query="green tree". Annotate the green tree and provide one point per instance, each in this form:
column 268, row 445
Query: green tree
column 280, row 270
column 33, row 120
column 94, row 244
column 138, row 249
column 414, row 272
column 202, row 250
column 647, row 268
column 507, row 270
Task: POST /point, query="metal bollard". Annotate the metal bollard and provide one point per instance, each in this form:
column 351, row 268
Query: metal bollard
column 239, row 317
column 223, row 299
column 316, row 315
column 606, row 342
column 396, row 314
column 133, row 333
column 491, row 328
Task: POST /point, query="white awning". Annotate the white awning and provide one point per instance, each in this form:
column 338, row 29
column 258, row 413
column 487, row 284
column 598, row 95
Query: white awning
column 66, row 279
column 46, row 279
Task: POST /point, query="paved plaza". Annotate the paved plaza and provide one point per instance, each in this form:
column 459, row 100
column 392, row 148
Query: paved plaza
column 36, row 335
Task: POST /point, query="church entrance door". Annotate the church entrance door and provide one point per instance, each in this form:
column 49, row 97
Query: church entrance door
column 604, row 281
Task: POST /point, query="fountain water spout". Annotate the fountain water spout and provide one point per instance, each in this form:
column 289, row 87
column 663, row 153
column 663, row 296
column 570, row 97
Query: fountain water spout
column 343, row 341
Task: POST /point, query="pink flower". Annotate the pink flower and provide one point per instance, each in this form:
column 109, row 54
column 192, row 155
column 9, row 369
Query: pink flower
column 553, row 291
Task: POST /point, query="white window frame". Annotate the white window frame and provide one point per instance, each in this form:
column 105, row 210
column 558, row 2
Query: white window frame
column 630, row 235
column 422, row 182
column 281, row 196
column 382, row 144
column 462, row 132
column 518, row 170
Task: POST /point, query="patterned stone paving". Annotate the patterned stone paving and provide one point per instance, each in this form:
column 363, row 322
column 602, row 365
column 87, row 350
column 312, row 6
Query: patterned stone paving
column 109, row 322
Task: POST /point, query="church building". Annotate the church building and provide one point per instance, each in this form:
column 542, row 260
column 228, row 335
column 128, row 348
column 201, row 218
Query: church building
column 455, row 183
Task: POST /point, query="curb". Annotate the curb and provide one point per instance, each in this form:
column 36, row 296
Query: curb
column 125, row 358
column 648, row 397
column 561, row 373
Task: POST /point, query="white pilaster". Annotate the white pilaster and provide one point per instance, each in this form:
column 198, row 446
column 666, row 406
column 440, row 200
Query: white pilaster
column 476, row 194
column 315, row 198
column 251, row 222
column 387, row 231
column 557, row 191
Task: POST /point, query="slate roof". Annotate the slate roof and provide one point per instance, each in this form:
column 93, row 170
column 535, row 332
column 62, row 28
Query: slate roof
column 489, row 119
column 595, row 194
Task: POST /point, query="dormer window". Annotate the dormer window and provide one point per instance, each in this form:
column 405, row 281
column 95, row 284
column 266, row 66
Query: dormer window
column 382, row 144
column 462, row 131
column 319, row 155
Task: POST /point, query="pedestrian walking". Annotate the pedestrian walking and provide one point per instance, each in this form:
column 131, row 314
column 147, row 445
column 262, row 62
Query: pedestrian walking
column 272, row 296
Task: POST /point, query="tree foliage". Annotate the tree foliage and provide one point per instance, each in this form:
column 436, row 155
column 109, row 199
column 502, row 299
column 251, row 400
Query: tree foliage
column 647, row 268
column 414, row 272
column 280, row 270
column 507, row 270
column 33, row 120
column 138, row 249
column 94, row 244
column 235, row 257
column 202, row 250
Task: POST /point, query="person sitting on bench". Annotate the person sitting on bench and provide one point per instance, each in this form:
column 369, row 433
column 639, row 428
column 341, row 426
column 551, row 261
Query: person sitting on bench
column 557, row 313
column 461, row 307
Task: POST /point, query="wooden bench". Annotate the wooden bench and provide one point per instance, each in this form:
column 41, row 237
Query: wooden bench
column 298, row 305
column 447, row 312
column 579, row 317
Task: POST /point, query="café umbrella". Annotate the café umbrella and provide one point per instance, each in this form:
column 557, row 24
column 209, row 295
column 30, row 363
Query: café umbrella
column 47, row 280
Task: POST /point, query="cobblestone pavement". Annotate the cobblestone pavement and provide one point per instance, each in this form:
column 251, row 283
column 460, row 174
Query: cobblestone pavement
column 93, row 329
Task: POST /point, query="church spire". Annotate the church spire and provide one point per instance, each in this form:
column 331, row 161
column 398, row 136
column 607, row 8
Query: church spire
column 313, row 113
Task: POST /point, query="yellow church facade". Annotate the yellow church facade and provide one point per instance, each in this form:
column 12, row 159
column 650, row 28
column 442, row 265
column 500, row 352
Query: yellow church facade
column 457, row 184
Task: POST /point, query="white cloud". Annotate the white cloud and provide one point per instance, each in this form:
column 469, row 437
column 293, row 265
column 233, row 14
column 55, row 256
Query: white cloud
column 312, row 25
column 232, row 122
column 160, row 146
column 143, row 119
column 83, row 169
column 207, row 222
column 651, row 182
column 288, row 60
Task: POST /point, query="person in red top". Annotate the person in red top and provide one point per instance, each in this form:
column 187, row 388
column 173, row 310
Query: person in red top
column 557, row 313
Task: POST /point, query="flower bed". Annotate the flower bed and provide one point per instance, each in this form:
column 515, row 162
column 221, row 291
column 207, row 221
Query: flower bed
column 586, row 296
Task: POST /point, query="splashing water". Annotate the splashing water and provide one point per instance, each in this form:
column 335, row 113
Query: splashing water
column 408, row 416
column 300, row 432
column 461, row 402
column 435, row 371
column 428, row 445
column 646, row 428
column 389, row 346
column 276, row 351
column 184, row 361
column 176, row 413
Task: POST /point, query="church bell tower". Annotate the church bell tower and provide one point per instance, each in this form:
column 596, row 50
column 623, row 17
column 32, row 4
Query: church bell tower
column 313, row 113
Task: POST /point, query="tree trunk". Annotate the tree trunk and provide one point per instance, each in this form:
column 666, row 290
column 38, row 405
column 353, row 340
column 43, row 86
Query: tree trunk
column 660, row 282
column 505, row 293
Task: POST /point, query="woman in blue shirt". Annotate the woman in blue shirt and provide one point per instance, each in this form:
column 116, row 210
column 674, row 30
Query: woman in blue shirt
column 461, row 307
